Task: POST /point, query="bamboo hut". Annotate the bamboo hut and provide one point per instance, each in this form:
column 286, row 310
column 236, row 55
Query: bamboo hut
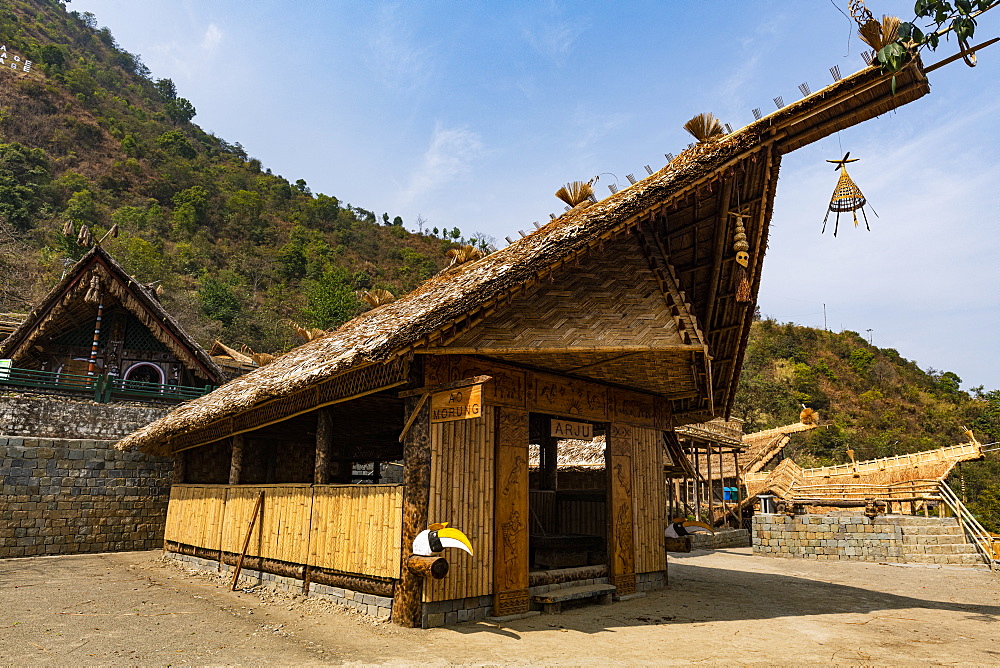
column 99, row 323
column 619, row 319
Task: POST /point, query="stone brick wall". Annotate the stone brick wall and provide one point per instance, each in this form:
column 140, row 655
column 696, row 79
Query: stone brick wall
column 828, row 537
column 62, row 417
column 64, row 496
column 379, row 607
column 720, row 539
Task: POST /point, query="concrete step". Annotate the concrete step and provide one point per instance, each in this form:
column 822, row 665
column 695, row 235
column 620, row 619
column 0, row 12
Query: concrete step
column 552, row 601
column 962, row 548
column 950, row 559
column 918, row 520
column 948, row 530
column 934, row 540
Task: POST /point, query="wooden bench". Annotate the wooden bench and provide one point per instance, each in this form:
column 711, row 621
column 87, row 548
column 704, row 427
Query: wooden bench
column 552, row 601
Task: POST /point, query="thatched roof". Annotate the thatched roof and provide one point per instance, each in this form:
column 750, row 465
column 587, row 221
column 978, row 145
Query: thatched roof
column 450, row 304
column 65, row 304
column 928, row 465
column 9, row 322
column 574, row 454
column 720, row 432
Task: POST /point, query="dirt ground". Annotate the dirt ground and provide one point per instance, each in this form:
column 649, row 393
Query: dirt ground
column 721, row 607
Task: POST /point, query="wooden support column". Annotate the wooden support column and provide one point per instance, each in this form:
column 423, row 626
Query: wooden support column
column 324, row 446
column 408, row 605
column 550, row 462
column 739, row 489
column 711, row 485
column 236, row 462
column 510, row 518
column 179, row 469
column 697, row 483
column 621, row 522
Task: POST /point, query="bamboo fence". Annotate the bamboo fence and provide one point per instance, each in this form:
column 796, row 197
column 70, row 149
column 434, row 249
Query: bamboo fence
column 347, row 528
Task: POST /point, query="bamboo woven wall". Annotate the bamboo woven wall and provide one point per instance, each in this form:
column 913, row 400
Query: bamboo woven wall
column 282, row 530
column 462, row 495
column 348, row 528
column 195, row 515
column 583, row 517
column 357, row 528
column 649, row 507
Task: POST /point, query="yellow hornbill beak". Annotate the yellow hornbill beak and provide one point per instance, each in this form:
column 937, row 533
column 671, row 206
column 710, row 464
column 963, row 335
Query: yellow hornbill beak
column 693, row 526
column 438, row 537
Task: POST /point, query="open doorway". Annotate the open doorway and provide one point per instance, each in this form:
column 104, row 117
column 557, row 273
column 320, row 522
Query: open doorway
column 567, row 494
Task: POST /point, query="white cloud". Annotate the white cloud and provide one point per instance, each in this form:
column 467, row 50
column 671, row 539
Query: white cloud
column 554, row 36
column 211, row 38
column 394, row 54
column 448, row 159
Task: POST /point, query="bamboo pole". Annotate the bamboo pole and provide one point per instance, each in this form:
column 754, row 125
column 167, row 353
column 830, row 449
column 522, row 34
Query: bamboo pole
column 246, row 542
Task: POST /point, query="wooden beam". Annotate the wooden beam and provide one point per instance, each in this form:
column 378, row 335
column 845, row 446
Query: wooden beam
column 443, row 387
column 558, row 350
column 407, row 607
column 722, row 236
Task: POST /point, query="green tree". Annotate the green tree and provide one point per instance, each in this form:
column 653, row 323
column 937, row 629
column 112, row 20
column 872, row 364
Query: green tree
column 331, row 300
column 176, row 143
column 24, row 173
column 180, row 110
column 190, row 210
column 219, row 302
column 166, row 88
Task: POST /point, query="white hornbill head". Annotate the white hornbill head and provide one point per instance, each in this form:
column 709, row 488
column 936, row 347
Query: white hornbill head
column 437, row 537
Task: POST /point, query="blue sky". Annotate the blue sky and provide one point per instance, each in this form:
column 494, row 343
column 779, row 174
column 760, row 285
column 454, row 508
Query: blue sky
column 471, row 114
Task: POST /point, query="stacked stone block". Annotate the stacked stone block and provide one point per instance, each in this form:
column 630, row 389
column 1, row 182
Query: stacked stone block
column 66, row 496
column 886, row 538
column 379, row 607
column 61, row 417
column 720, row 539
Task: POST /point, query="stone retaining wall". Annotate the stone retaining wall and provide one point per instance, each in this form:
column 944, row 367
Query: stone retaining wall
column 828, row 537
column 63, row 417
column 720, row 539
column 67, row 496
column 379, row 607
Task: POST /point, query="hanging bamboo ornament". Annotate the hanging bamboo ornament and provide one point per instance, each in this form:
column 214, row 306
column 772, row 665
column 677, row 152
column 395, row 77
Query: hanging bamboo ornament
column 742, row 249
column 846, row 197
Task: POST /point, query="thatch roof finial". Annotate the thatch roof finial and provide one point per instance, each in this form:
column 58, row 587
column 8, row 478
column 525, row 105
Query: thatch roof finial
column 378, row 297
column 704, row 127
column 576, row 192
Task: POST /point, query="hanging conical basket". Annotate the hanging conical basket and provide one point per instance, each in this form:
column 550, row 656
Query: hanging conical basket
column 847, row 196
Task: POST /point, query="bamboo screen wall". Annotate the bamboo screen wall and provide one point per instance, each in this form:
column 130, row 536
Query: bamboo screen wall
column 462, row 495
column 649, row 507
column 348, row 528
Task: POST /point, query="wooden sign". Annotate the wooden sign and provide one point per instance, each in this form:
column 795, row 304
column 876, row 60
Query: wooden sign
column 463, row 403
column 581, row 431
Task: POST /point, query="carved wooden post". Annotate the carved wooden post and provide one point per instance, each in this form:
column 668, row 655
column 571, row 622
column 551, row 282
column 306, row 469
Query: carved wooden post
column 510, row 521
column 550, row 462
column 621, row 525
column 407, row 607
column 324, row 446
column 179, row 469
column 236, row 464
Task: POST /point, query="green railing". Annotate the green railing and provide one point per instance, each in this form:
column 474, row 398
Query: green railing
column 102, row 388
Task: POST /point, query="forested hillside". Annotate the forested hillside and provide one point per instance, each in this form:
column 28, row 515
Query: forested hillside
column 870, row 399
column 89, row 137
